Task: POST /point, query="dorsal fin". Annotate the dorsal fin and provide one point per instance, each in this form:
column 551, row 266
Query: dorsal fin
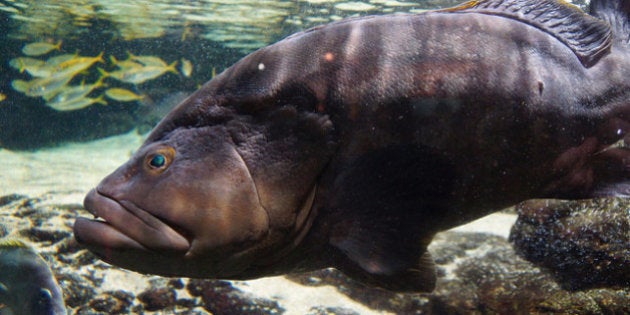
column 617, row 14
column 10, row 243
column 588, row 37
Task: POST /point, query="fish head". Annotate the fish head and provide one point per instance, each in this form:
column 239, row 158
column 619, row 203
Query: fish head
column 27, row 284
column 216, row 191
column 33, row 300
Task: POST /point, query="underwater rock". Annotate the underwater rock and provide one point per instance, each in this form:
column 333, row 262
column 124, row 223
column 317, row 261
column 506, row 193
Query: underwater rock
column 155, row 299
column 372, row 297
column 598, row 301
column 220, row 297
column 479, row 274
column 176, row 283
column 492, row 279
column 3, row 230
column 584, row 243
column 7, row 199
column 77, row 290
column 111, row 302
column 45, row 235
column 331, row 311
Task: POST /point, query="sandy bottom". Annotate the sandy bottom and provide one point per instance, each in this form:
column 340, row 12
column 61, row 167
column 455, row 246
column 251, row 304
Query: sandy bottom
column 70, row 171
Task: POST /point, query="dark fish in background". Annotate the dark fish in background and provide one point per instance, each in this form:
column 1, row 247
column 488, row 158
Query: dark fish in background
column 27, row 285
column 351, row 144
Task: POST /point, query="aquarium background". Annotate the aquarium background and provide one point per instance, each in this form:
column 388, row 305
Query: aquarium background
column 50, row 157
column 211, row 35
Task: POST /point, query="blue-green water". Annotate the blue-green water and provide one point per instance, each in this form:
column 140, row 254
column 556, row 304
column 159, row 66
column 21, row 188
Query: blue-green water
column 208, row 35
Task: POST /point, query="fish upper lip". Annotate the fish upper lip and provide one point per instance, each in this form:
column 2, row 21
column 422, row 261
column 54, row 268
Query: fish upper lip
column 136, row 223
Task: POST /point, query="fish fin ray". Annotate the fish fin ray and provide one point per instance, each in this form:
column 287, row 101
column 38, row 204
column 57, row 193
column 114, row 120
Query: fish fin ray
column 390, row 266
column 617, row 14
column 588, row 37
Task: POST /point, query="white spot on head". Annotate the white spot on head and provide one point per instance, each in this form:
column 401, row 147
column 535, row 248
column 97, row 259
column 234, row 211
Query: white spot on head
column 261, row 66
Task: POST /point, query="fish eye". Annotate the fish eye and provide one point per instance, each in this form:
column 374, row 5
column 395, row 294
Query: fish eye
column 43, row 302
column 4, row 296
column 44, row 296
column 160, row 159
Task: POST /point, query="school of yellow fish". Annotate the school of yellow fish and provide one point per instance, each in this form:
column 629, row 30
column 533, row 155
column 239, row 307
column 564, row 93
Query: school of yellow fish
column 243, row 25
column 51, row 78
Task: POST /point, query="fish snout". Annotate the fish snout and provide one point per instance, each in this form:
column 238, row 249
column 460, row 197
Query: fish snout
column 123, row 225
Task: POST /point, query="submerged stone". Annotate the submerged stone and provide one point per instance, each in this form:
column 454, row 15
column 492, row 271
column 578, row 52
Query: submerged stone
column 584, row 243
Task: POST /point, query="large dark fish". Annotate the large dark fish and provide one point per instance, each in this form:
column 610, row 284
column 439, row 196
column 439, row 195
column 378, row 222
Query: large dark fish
column 27, row 285
column 351, row 144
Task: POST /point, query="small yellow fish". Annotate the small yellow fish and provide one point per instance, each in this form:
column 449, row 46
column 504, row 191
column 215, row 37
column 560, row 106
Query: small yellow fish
column 75, row 65
column 59, row 59
column 139, row 75
column 147, row 60
column 186, row 67
column 34, row 67
column 3, row 97
column 40, row 48
column 75, row 104
column 26, row 64
column 20, row 85
column 187, row 31
column 125, row 64
column 64, row 65
column 45, row 87
column 73, row 92
column 122, row 95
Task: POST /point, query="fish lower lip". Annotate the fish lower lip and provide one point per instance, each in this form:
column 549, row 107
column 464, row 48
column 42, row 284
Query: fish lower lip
column 93, row 232
column 135, row 224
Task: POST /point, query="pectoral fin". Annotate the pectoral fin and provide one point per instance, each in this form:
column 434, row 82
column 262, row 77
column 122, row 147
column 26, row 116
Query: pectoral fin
column 389, row 266
column 386, row 203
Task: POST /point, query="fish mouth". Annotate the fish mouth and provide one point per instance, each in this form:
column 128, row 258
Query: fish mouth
column 121, row 225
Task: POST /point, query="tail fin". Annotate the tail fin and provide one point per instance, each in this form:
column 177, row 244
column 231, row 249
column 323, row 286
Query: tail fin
column 172, row 68
column 617, row 14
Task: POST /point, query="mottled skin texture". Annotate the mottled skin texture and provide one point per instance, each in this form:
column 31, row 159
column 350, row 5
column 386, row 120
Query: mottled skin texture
column 350, row 145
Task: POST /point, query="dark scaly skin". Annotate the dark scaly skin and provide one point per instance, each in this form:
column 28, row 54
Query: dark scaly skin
column 351, row 144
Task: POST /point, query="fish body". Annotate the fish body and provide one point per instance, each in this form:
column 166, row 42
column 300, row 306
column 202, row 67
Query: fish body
column 71, row 93
column 76, row 103
column 140, row 74
column 351, row 144
column 127, row 64
column 75, row 65
column 59, row 59
column 26, row 64
column 186, row 67
column 40, row 48
column 122, row 95
column 27, row 285
column 40, row 68
column 148, row 60
column 52, row 79
column 45, row 87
